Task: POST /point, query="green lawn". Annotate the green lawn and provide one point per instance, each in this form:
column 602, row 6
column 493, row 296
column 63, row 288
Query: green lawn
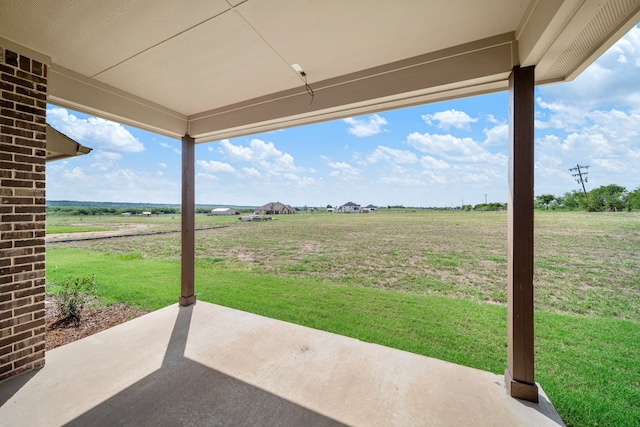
column 429, row 283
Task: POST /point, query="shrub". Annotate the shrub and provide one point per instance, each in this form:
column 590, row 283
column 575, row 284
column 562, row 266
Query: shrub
column 74, row 295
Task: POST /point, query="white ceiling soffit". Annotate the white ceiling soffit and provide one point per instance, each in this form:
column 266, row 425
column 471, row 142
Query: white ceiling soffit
column 221, row 68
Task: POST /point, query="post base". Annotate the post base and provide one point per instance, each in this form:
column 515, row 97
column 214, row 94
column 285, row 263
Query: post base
column 187, row 301
column 520, row 390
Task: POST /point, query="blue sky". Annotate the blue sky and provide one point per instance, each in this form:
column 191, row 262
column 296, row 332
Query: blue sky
column 440, row 154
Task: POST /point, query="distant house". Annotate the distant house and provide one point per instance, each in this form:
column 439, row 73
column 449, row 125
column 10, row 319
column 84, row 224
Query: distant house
column 349, row 207
column 371, row 208
column 222, row 212
column 275, row 208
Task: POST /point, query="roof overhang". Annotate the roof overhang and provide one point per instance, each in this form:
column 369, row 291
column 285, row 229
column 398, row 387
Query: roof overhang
column 218, row 69
column 60, row 146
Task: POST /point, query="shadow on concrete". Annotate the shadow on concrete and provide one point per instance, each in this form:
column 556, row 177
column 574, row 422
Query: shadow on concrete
column 184, row 392
column 13, row 385
column 544, row 407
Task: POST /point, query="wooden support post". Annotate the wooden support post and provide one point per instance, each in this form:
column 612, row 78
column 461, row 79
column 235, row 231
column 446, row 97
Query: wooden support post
column 187, row 293
column 519, row 375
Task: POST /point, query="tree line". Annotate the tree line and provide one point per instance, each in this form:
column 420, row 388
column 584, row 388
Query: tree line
column 111, row 210
column 104, row 210
column 607, row 198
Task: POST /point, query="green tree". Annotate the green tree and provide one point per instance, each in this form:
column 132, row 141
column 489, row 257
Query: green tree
column 544, row 200
column 495, row 206
column 610, row 197
column 634, row 199
column 573, row 200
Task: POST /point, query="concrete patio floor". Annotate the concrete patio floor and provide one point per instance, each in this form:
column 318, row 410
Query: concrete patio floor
column 214, row 366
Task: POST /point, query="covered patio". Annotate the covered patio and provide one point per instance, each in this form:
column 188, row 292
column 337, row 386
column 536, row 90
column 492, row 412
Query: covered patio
column 206, row 365
column 217, row 69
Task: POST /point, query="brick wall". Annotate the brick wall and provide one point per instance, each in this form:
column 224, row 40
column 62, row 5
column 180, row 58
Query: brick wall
column 23, row 95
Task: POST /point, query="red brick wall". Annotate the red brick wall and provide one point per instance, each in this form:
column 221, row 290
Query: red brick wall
column 23, row 97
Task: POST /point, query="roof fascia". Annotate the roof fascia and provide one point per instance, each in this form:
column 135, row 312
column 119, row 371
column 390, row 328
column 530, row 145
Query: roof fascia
column 60, row 146
column 541, row 26
column 616, row 34
column 471, row 69
column 72, row 90
column 575, row 37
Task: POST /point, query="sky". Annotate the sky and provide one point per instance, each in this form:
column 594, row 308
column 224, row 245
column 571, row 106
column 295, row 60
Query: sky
column 443, row 154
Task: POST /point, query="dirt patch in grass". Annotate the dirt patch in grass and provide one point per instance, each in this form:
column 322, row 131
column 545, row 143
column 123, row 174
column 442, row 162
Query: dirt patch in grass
column 113, row 231
column 94, row 320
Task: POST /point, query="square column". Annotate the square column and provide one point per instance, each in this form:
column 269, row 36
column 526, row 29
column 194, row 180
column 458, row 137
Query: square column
column 519, row 376
column 23, row 108
column 187, row 291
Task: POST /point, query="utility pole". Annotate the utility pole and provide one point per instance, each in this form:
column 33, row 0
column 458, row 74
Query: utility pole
column 580, row 176
column 485, row 198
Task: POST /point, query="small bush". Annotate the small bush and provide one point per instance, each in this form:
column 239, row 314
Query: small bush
column 74, row 295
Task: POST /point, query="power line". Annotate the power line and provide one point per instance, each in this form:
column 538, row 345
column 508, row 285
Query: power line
column 580, row 177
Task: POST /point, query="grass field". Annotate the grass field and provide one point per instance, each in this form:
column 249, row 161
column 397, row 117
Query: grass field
column 58, row 229
column 433, row 283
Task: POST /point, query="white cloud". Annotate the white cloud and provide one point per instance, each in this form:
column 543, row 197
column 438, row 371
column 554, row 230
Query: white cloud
column 449, row 119
column 453, row 148
column 307, row 181
column 610, row 165
column 617, row 125
column 431, row 163
column 265, row 150
column 382, row 153
column 497, row 135
column 236, row 152
column 452, row 169
column 342, row 169
column 491, row 119
column 106, row 155
column 104, row 160
column 207, row 177
column 162, row 165
column 255, row 173
column 214, row 166
column 362, row 128
column 576, row 132
column 608, row 141
column 74, row 175
column 257, row 150
column 399, row 181
column 94, row 132
column 559, row 115
column 263, row 157
column 117, row 185
column 251, row 172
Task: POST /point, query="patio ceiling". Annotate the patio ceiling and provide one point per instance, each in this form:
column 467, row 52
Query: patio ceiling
column 220, row 68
